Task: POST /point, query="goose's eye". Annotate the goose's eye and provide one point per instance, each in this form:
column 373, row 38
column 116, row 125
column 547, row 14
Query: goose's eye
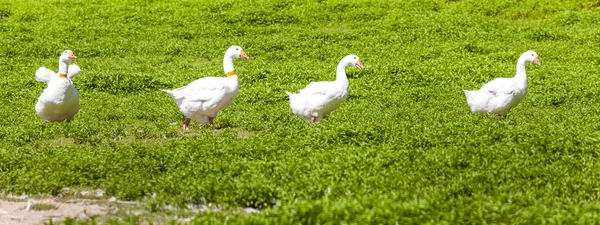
column 354, row 57
column 237, row 49
column 532, row 55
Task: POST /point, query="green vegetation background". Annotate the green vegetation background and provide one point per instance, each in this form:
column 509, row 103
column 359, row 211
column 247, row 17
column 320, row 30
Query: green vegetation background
column 404, row 148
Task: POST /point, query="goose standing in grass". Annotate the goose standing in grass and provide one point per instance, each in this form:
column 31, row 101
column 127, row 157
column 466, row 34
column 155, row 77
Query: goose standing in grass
column 202, row 99
column 501, row 94
column 60, row 100
column 318, row 99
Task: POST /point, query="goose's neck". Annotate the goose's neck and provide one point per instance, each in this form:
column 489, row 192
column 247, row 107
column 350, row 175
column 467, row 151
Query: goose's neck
column 228, row 65
column 521, row 76
column 340, row 75
column 62, row 67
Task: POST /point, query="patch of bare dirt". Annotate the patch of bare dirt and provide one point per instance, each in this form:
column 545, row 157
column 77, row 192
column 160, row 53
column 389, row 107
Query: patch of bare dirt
column 40, row 211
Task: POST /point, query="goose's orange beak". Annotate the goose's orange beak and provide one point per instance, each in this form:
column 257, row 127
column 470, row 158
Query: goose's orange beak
column 537, row 61
column 71, row 56
column 243, row 55
column 359, row 65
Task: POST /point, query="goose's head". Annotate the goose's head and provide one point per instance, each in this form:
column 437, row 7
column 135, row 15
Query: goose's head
column 236, row 52
column 67, row 55
column 531, row 56
column 354, row 61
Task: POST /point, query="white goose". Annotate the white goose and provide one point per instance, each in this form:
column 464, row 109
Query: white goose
column 202, row 99
column 318, row 99
column 501, row 94
column 60, row 100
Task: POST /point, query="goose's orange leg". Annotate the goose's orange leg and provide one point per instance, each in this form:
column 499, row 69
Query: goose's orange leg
column 186, row 123
column 211, row 119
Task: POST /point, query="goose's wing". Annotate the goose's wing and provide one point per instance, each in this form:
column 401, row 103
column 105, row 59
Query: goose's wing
column 73, row 71
column 44, row 74
column 499, row 86
column 317, row 88
column 205, row 89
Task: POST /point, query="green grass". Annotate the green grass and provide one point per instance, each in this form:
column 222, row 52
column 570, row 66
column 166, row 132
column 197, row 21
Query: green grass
column 404, row 148
column 43, row 207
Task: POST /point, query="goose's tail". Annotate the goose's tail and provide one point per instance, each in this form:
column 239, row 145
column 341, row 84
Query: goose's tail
column 173, row 95
column 475, row 101
column 294, row 102
column 292, row 97
column 170, row 92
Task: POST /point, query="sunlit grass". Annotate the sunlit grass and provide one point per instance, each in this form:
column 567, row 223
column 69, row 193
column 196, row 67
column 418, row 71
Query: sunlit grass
column 404, row 148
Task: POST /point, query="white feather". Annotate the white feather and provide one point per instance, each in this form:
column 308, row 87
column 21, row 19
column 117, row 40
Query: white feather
column 44, row 74
column 204, row 97
column 73, row 71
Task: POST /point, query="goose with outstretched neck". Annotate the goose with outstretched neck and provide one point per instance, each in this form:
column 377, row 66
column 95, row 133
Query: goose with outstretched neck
column 318, row 99
column 202, row 99
column 501, row 94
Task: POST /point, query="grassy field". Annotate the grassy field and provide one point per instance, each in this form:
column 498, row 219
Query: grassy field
column 403, row 149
